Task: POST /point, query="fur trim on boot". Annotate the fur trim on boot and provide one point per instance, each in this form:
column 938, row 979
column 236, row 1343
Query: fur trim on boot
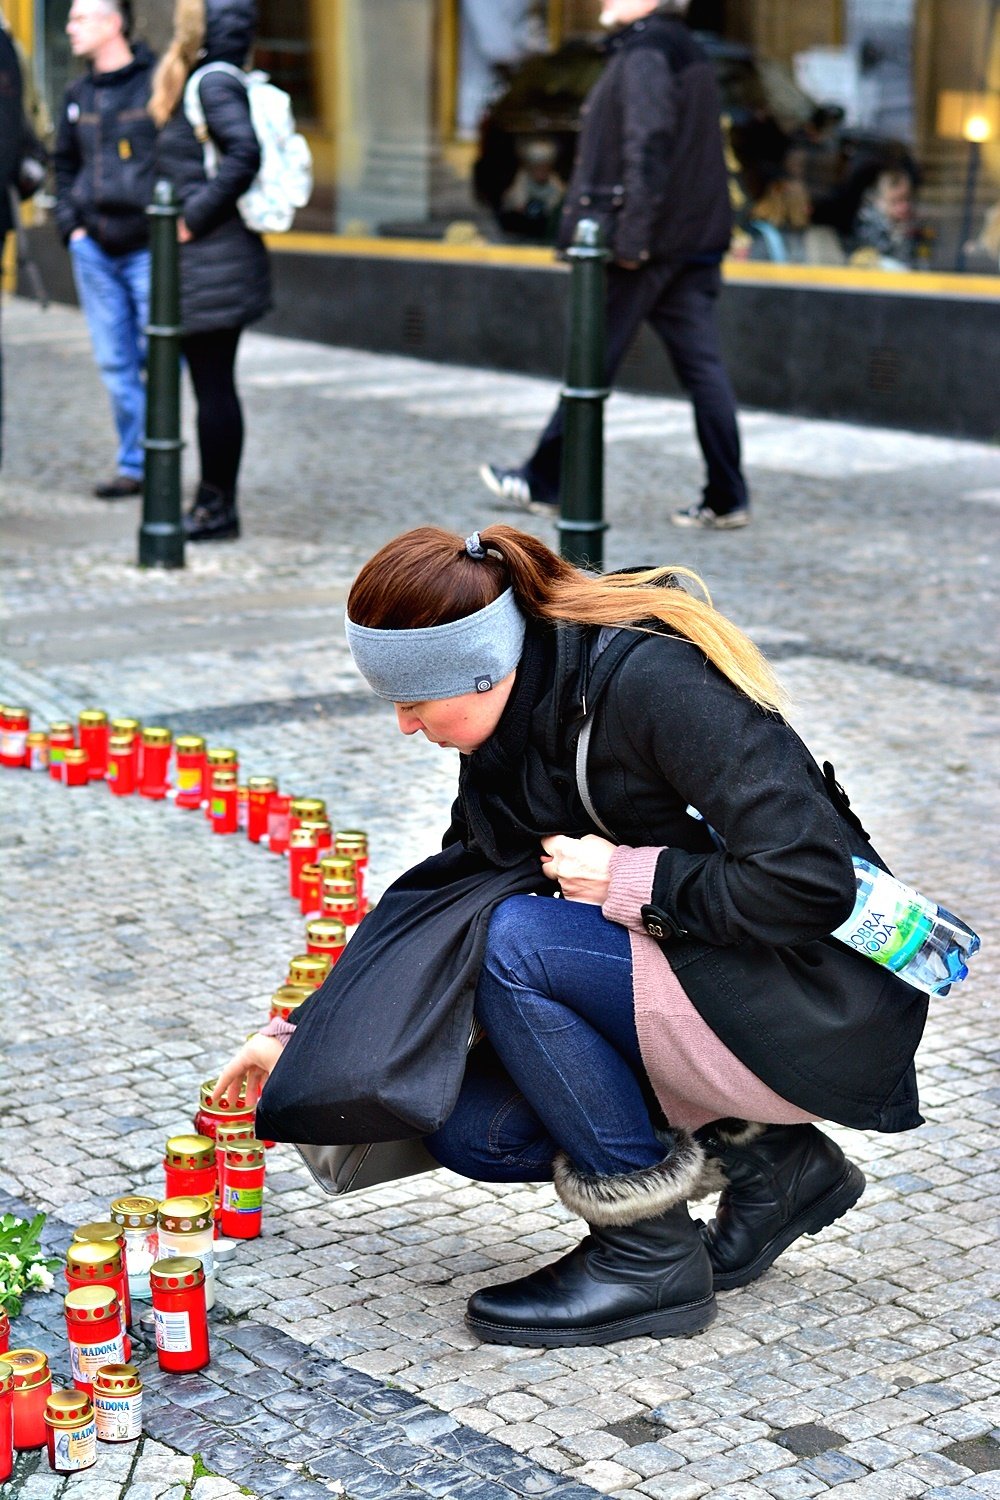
column 624, row 1198
column 734, row 1132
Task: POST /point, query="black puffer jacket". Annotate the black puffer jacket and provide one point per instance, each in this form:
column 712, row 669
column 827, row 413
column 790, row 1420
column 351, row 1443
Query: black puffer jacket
column 225, row 276
column 649, row 163
column 104, row 155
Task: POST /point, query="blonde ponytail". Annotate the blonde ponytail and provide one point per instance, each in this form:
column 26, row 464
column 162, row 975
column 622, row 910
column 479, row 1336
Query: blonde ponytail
column 177, row 63
column 548, row 586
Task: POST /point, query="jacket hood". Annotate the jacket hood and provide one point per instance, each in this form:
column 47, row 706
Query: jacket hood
column 229, row 30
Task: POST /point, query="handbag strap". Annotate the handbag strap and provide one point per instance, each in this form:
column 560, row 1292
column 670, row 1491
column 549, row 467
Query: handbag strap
column 610, row 647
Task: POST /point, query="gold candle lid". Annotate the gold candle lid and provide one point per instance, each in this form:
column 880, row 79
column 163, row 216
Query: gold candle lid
column 185, row 1215
column 135, row 1212
column 307, row 807
column 61, row 726
column 93, row 1258
column 130, row 727
column 119, row 743
column 329, row 931
column 223, row 778
column 261, row 784
column 233, row 1130
column 30, row 1368
column 302, row 838
column 291, row 994
column 92, row 718
column 14, row 711
column 308, row 969
column 117, row 1380
column 221, row 755
column 155, row 736
column 37, row 737
column 67, row 1409
column 317, row 825
column 75, row 756
column 90, row 1304
column 189, row 744
column 336, row 885
column 176, row 1272
column 353, row 838
column 337, row 867
column 244, row 1154
column 190, row 1151
column 206, row 1091
column 102, row 1229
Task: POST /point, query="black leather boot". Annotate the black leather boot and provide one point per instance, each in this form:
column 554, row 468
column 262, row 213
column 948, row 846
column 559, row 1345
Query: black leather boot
column 781, row 1181
column 213, row 516
column 643, row 1269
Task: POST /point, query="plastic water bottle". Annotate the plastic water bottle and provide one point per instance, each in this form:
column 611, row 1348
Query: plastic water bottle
column 925, row 945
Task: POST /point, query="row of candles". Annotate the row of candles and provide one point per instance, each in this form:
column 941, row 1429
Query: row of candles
column 153, row 1250
column 163, row 1251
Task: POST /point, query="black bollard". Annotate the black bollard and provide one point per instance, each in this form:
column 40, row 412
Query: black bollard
column 161, row 535
column 582, row 524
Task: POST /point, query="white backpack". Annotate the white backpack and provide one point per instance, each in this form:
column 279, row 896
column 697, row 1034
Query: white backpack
column 284, row 182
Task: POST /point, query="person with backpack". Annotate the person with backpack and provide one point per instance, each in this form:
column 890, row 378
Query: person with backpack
column 224, row 269
column 682, row 1008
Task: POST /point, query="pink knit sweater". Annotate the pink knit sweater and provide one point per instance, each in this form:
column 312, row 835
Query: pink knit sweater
column 695, row 1076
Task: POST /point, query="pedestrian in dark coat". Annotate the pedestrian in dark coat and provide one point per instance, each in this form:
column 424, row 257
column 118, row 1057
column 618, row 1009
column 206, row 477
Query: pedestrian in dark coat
column 650, row 169
column 685, row 1001
column 225, row 275
column 11, row 140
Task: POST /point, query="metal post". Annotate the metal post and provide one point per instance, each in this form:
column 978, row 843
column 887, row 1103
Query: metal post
column 161, row 535
column 582, row 524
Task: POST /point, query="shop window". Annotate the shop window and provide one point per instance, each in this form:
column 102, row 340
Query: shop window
column 284, row 49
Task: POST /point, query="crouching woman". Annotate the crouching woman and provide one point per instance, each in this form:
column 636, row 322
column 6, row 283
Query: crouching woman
column 682, row 1009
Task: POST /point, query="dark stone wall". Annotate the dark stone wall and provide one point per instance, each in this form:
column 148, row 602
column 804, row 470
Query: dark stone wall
column 914, row 361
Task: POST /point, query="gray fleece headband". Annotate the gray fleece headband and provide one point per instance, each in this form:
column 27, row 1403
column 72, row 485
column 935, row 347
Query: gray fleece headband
column 440, row 661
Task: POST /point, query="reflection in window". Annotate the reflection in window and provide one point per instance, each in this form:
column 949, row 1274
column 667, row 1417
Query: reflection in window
column 284, row 50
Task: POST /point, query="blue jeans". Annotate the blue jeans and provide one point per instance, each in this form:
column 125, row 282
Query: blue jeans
column 560, row 1067
column 114, row 295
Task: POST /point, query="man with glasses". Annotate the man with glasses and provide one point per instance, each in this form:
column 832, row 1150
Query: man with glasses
column 104, row 176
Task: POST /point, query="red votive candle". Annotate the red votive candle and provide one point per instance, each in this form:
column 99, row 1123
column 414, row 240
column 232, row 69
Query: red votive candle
column 155, row 762
column 178, row 1287
column 260, row 790
column 93, row 726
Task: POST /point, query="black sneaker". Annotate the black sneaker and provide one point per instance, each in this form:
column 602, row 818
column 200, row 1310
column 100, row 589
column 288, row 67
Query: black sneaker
column 704, row 518
column 513, row 490
column 122, row 487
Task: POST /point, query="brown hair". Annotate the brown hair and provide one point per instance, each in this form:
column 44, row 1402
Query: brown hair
column 177, row 63
column 426, row 577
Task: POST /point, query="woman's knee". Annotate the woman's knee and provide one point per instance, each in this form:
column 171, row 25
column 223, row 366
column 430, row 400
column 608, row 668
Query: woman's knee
column 514, row 932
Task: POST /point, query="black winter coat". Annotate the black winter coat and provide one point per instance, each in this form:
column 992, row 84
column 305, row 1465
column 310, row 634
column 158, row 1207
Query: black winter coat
column 11, row 127
column 746, row 930
column 649, row 163
column 104, row 154
column 225, row 275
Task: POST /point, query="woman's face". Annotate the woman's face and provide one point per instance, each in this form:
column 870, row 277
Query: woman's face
column 462, row 723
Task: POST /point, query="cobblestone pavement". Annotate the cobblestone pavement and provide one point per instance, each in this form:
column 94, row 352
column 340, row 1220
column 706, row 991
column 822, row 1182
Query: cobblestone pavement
column 140, row 949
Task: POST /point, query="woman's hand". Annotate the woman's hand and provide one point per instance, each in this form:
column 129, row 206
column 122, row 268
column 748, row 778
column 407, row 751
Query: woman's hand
column 249, row 1069
column 580, row 866
column 184, row 234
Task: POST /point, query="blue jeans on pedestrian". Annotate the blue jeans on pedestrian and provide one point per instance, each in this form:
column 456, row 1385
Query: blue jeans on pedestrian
column 114, row 295
column 560, row 1068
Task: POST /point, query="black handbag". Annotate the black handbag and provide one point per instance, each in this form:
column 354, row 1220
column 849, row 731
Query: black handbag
column 378, row 1052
